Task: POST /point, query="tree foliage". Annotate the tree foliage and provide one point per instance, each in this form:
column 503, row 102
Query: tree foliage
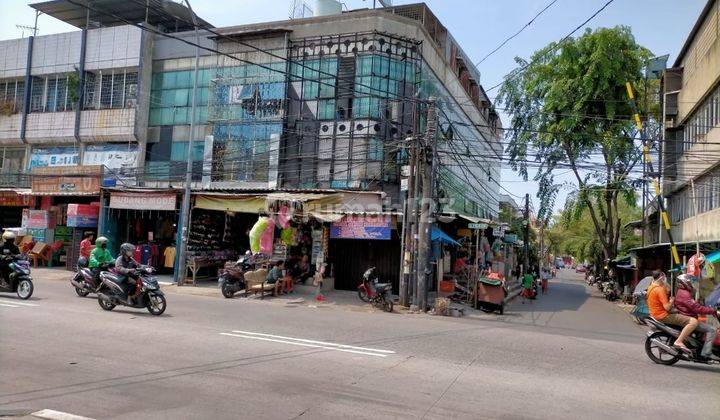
column 569, row 110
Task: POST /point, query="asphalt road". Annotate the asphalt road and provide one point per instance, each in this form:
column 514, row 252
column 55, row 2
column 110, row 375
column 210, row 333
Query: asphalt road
column 570, row 354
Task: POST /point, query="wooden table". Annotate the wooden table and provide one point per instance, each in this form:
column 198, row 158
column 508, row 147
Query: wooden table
column 194, row 264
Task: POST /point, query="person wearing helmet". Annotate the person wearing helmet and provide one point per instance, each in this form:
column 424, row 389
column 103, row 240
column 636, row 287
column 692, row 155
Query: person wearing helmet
column 660, row 308
column 100, row 255
column 686, row 305
column 8, row 250
column 125, row 265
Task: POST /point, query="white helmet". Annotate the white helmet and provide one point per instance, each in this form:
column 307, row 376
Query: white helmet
column 8, row 235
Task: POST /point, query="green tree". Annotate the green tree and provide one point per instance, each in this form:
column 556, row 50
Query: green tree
column 569, row 110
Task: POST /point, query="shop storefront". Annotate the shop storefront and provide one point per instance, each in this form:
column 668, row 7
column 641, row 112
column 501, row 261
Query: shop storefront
column 12, row 205
column 52, row 226
column 294, row 225
column 148, row 219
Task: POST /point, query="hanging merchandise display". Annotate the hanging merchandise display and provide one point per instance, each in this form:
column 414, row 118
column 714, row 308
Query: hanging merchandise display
column 256, row 233
column 288, row 236
column 266, row 239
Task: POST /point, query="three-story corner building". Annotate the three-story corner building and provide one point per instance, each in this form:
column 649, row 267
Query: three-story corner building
column 690, row 158
column 320, row 105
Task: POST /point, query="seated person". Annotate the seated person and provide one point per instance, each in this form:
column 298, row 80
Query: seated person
column 275, row 276
column 686, row 305
column 659, row 306
column 302, row 270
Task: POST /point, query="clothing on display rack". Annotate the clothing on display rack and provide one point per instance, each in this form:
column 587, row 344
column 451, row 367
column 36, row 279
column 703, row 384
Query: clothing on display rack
column 169, row 255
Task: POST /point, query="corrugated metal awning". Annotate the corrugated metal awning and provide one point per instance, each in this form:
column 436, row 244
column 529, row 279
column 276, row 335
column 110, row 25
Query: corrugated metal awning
column 60, row 193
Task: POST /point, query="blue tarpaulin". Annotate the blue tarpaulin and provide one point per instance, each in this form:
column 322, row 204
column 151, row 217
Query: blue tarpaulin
column 438, row 235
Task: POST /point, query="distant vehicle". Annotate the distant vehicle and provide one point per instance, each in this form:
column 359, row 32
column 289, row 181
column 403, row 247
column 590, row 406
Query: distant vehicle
column 580, row 268
column 559, row 263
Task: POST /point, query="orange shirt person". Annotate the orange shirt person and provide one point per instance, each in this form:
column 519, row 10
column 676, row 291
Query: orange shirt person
column 659, row 306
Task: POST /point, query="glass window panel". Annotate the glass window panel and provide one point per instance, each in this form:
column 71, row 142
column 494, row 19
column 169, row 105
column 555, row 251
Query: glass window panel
column 106, row 91
column 311, row 90
column 36, row 94
column 327, row 88
column 181, row 116
column 364, row 65
column 51, row 97
column 166, row 117
column 183, row 79
column 181, row 97
column 155, row 116
column 326, row 109
column 19, row 95
column 118, row 90
column 130, row 90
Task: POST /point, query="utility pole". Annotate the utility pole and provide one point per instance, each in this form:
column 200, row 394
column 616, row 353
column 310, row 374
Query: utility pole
column 185, row 211
column 424, row 227
column 408, row 212
column 526, row 236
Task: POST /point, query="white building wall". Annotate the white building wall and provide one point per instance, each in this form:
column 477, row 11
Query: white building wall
column 13, row 58
column 58, row 53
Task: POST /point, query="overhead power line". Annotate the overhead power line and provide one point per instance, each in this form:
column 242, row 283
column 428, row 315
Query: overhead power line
column 516, row 33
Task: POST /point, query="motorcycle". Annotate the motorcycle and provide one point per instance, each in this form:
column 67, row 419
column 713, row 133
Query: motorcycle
column 610, row 291
column 372, row 291
column 147, row 291
column 232, row 276
column 85, row 280
column 659, row 345
column 19, row 280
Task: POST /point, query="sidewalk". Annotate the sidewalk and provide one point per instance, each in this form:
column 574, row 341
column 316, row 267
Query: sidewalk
column 303, row 296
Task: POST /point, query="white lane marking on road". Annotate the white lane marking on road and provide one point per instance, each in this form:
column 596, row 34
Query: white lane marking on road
column 14, row 302
column 324, row 343
column 8, row 306
column 297, row 343
column 57, row 415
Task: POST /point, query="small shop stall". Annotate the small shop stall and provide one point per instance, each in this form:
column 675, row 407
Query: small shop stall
column 145, row 218
column 12, row 205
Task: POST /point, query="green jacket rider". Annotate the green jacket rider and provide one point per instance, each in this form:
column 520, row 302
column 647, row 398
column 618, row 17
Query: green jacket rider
column 100, row 255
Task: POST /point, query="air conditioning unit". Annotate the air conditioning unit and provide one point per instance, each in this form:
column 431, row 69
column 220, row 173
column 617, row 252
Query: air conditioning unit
column 327, row 129
column 343, row 128
column 367, row 127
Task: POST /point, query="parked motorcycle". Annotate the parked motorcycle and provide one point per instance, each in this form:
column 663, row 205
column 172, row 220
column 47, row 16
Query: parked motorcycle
column 147, row 293
column 610, row 291
column 659, row 345
column 19, row 280
column 85, row 280
column 232, row 276
column 372, row 291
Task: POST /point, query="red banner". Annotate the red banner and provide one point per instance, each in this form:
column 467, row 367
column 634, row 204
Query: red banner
column 11, row 199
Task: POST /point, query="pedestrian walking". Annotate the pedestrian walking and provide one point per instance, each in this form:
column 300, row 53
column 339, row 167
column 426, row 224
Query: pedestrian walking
column 544, row 278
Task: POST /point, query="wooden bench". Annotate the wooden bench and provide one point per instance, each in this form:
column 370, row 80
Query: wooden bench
column 41, row 251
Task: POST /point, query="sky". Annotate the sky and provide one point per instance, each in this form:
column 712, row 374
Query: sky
column 478, row 25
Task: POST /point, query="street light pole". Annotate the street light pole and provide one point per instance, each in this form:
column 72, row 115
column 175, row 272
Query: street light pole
column 185, row 211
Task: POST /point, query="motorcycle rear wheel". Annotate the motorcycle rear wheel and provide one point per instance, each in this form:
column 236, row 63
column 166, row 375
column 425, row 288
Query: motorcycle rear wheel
column 651, row 349
column 156, row 304
column 227, row 290
column 363, row 295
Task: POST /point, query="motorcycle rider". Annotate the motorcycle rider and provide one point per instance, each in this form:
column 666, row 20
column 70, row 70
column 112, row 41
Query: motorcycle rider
column 125, row 266
column 99, row 256
column 8, row 250
column 686, row 305
column 659, row 306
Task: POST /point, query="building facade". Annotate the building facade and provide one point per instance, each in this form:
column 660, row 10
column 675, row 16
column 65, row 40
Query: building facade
column 321, row 104
column 691, row 91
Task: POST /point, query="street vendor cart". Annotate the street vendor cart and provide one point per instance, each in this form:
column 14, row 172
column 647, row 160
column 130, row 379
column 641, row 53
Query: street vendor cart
column 490, row 293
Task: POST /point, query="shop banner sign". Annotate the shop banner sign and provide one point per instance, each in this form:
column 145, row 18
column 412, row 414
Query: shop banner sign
column 71, row 179
column 146, row 201
column 510, row 238
column 54, row 156
column 112, row 156
column 362, row 227
column 15, row 200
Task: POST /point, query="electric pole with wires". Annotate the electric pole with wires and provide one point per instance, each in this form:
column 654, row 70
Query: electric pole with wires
column 427, row 154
